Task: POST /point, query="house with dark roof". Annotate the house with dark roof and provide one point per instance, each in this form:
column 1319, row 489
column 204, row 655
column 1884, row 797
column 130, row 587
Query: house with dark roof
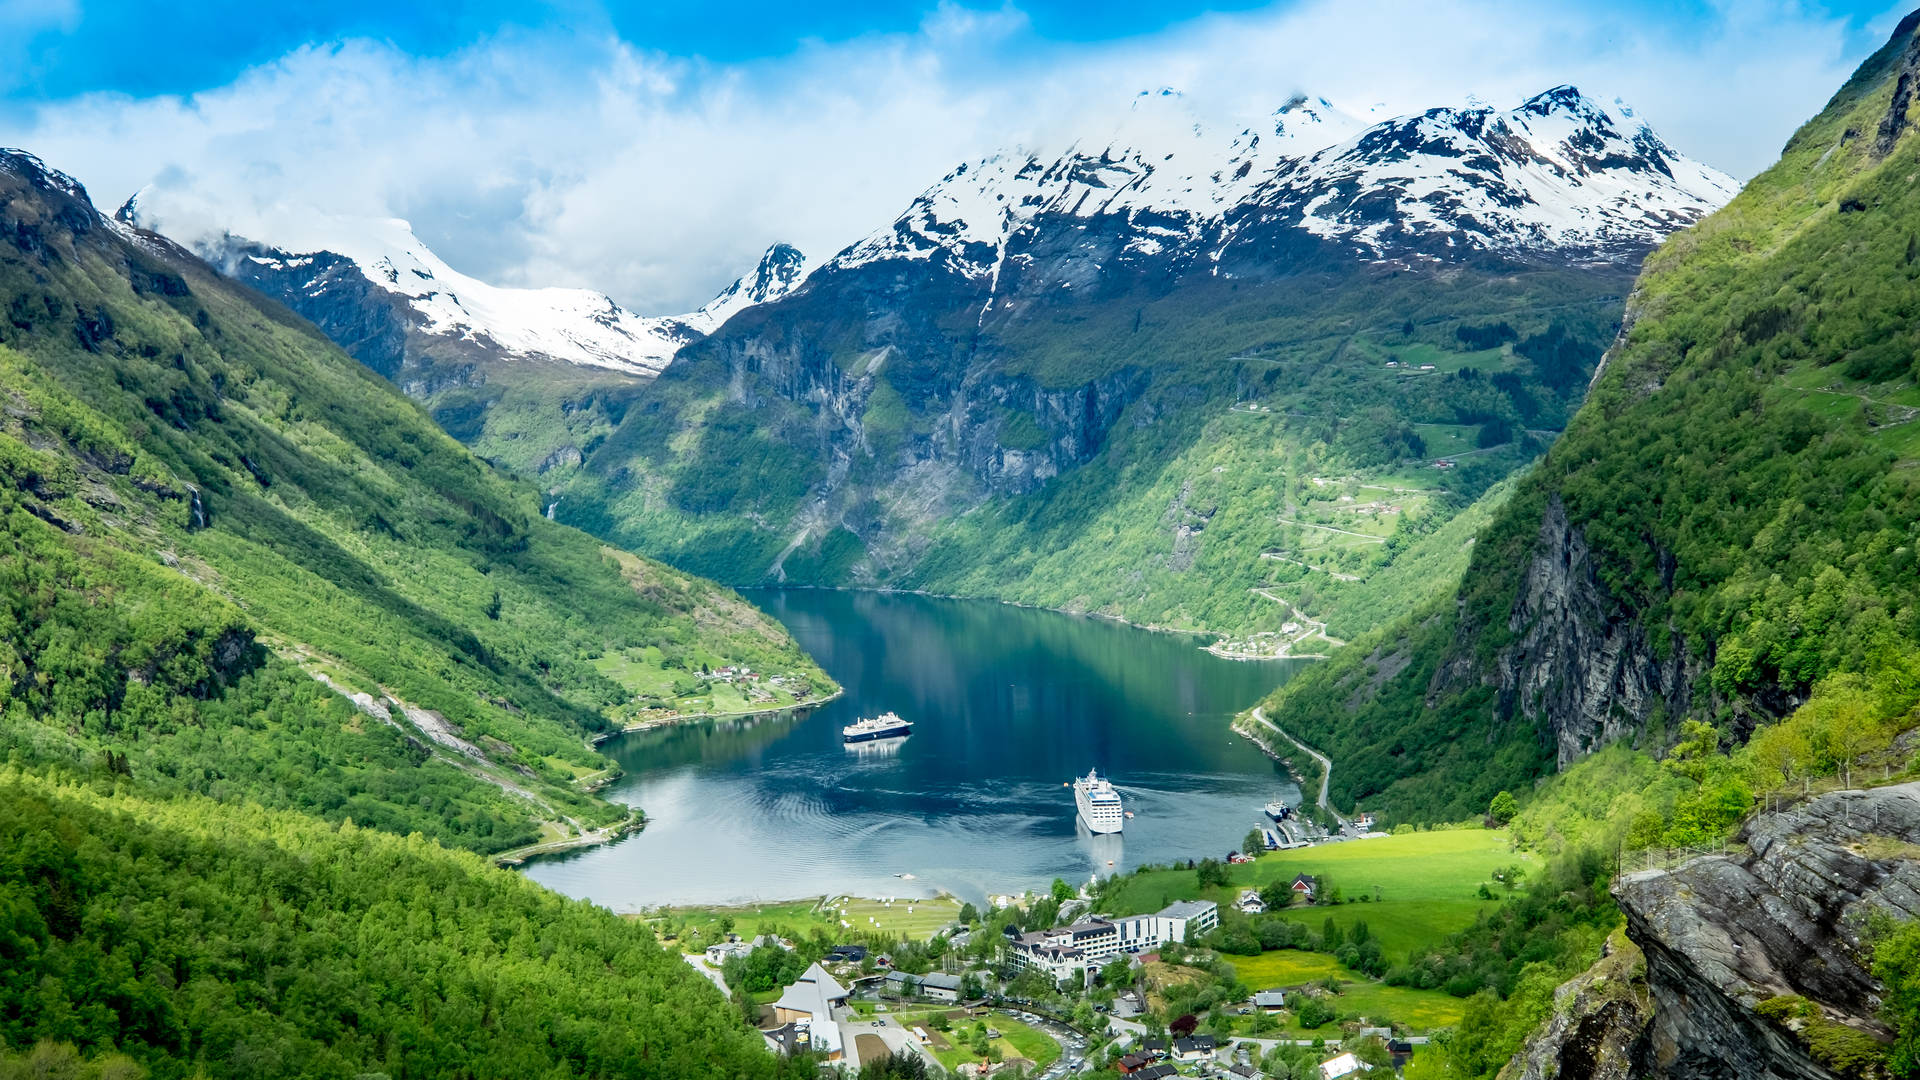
column 936, row 985
column 1304, row 886
column 1156, row 1072
column 1194, row 1047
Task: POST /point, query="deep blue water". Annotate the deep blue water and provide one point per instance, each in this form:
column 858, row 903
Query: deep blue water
column 1008, row 705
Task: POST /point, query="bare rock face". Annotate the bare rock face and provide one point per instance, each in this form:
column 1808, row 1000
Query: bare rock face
column 1723, row 933
column 1577, row 659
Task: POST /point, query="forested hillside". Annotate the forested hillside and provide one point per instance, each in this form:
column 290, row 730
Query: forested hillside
column 234, row 562
column 1728, row 528
column 195, row 938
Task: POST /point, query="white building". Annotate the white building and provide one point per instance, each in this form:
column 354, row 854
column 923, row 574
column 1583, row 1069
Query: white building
column 809, row 1004
column 1342, row 1066
column 1064, row 950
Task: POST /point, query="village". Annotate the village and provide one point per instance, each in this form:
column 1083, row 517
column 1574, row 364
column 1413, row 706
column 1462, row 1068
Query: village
column 1203, row 969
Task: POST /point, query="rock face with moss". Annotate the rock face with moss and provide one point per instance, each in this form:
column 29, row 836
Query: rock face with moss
column 1757, row 961
column 1597, row 1023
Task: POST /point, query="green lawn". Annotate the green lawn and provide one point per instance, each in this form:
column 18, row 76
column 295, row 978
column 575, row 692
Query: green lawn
column 1414, row 1010
column 1419, row 1010
column 1428, row 884
column 1428, row 866
column 1445, row 439
column 1446, row 865
column 700, row 927
column 1285, row 967
column 1016, row 1039
column 923, row 921
column 1400, row 925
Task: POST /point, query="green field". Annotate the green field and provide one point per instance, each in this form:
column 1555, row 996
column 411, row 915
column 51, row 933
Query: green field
column 926, row 918
column 1444, row 440
column 698, row 928
column 1413, row 1010
column 1282, row 968
column 1417, row 1010
column 1428, row 884
column 695, row 928
column 1017, row 1040
column 1407, row 874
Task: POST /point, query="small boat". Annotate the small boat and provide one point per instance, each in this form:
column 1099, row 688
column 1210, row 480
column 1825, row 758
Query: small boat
column 1278, row 810
column 885, row 726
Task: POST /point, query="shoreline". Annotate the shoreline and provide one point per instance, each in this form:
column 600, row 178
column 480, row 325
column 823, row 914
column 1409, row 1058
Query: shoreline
column 683, row 718
column 1230, row 654
column 1121, row 619
column 520, row 856
column 636, row 819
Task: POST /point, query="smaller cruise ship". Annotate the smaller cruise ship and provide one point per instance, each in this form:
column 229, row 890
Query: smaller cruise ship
column 1099, row 804
column 885, row 726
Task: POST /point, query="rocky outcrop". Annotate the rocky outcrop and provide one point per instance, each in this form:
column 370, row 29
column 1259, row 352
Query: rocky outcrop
column 1724, row 933
column 1579, row 662
column 1597, row 1023
column 1783, row 915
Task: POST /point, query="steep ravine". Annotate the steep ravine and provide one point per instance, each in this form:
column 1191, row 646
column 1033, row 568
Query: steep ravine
column 1783, row 914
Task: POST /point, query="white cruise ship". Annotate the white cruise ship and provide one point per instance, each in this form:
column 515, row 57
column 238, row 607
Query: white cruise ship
column 885, row 726
column 1099, row 803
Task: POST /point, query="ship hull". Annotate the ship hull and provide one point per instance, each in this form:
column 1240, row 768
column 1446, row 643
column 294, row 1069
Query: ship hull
column 881, row 733
column 1098, row 821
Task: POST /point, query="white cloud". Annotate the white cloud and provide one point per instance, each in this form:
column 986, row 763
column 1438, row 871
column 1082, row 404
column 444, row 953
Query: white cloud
column 585, row 161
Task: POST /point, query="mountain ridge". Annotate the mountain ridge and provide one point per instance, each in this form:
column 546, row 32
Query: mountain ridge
column 1724, row 533
column 959, row 401
column 318, row 599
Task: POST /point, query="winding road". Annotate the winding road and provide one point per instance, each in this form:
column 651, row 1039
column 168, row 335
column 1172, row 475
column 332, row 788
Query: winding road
column 1326, row 766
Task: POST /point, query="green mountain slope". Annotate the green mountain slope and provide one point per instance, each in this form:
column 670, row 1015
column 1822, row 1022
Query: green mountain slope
column 219, row 529
column 1728, row 526
column 200, row 939
column 1194, row 452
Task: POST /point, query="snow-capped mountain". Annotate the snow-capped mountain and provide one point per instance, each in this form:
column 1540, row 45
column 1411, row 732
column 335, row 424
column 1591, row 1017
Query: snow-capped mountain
column 1161, row 166
column 1559, row 177
column 778, row 273
column 1560, row 174
column 315, row 263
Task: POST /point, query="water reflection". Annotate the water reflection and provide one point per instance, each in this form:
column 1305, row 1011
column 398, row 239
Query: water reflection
column 1007, row 703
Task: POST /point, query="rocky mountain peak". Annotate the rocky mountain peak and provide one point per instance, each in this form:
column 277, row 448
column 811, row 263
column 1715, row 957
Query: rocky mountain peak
column 779, row 272
column 323, row 264
column 38, row 173
column 1559, row 177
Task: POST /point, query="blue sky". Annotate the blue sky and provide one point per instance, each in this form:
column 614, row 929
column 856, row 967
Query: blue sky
column 653, row 150
column 140, row 48
column 145, row 48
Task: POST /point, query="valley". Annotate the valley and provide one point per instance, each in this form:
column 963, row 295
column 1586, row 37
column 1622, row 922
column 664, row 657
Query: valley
column 1426, row 586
